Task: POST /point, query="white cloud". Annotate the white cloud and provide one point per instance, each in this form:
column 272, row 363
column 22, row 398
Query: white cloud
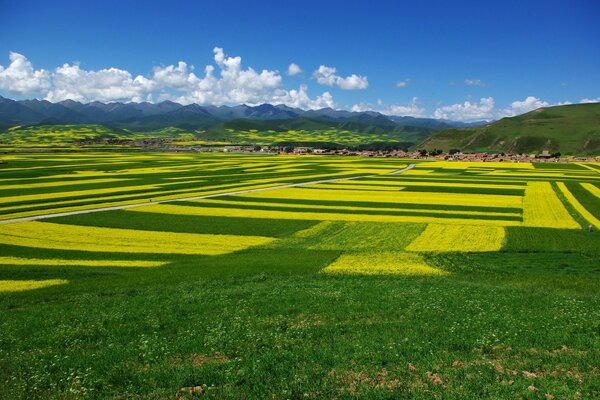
column 596, row 100
column 475, row 82
column 403, row 83
column 412, row 109
column 485, row 109
column 468, row 111
column 300, row 99
column 522, row 106
column 20, row 77
column 225, row 82
column 112, row 84
column 294, row 69
column 327, row 76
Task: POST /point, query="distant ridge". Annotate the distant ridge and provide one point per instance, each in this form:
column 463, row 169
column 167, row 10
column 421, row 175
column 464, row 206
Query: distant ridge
column 148, row 116
column 570, row 129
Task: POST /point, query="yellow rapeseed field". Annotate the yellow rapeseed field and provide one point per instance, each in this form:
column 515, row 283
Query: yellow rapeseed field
column 476, row 164
column 20, row 286
column 588, row 216
column 592, row 189
column 313, row 216
column 85, row 238
column 543, row 208
column 57, row 262
column 382, row 263
column 60, row 183
column 435, row 198
column 398, row 184
column 333, row 208
column 458, row 238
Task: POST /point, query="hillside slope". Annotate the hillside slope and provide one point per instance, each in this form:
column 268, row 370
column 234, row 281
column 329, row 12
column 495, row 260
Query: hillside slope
column 570, row 129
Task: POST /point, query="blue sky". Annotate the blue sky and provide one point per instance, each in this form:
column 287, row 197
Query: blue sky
column 462, row 60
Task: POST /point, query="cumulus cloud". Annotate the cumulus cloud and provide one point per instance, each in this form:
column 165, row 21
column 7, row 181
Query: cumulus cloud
column 224, row 82
column 233, row 84
column 467, row 111
column 475, row 82
column 522, row 106
column 19, row 76
column 300, row 99
column 327, row 76
column 411, row 109
column 485, row 109
column 586, row 100
column 294, row 69
column 112, row 84
column 403, row 83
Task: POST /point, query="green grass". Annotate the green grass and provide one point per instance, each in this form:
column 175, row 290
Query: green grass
column 264, row 322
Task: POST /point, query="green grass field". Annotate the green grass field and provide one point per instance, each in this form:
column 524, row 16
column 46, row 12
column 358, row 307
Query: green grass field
column 450, row 280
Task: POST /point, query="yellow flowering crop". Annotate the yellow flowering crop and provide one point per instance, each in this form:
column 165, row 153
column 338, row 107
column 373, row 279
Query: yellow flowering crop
column 57, row 262
column 395, row 183
column 476, row 164
column 382, row 263
column 578, row 206
column 592, row 189
column 60, row 183
column 542, row 208
column 71, row 237
column 461, row 238
column 313, row 216
column 20, row 286
column 333, row 208
column 434, row 198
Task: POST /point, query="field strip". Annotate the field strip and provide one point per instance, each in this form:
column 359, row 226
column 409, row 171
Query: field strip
column 122, row 207
column 542, row 208
column 592, row 189
column 312, row 207
column 48, row 235
column 577, row 205
column 59, row 262
column 317, row 216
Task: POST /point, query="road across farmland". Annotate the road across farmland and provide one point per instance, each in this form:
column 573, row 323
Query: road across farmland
column 207, row 196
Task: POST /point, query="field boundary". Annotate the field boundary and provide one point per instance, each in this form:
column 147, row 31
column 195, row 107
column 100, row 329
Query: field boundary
column 207, row 196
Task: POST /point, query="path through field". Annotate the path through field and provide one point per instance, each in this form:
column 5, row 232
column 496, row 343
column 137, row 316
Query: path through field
column 123, row 207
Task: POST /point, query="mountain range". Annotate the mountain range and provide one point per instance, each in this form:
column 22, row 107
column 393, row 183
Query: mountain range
column 570, row 129
column 141, row 117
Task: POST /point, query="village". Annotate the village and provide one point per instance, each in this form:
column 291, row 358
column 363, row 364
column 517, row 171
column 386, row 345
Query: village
column 453, row 155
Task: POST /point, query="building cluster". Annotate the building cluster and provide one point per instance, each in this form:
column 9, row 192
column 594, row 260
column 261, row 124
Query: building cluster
column 544, row 156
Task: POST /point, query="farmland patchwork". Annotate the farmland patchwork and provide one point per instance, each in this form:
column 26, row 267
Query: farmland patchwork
column 201, row 248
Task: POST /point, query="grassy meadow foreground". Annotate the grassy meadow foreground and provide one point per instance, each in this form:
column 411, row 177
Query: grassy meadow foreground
column 448, row 280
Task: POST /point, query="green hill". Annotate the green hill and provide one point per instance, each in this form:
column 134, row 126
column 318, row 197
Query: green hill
column 571, row 129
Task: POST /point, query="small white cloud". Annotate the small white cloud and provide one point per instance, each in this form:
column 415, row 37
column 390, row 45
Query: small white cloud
column 300, row 99
column 294, row 69
column 327, row 76
column 468, row 111
column 20, row 77
column 412, row 109
column 522, row 106
column 475, row 82
column 403, row 83
column 586, row 100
